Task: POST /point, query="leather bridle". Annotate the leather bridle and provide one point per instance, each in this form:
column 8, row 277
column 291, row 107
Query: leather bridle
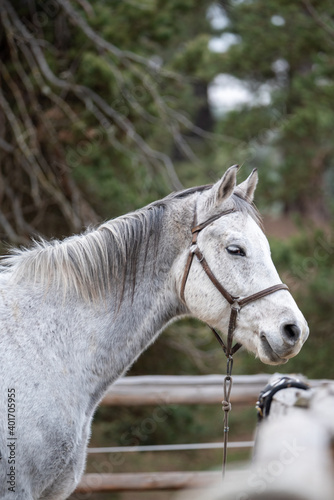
column 236, row 303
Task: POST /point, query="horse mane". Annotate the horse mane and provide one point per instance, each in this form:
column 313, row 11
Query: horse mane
column 89, row 263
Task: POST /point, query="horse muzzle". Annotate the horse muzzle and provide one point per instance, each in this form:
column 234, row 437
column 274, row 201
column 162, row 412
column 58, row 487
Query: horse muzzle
column 278, row 349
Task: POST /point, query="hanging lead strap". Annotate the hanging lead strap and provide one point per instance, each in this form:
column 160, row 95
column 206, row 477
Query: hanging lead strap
column 229, row 350
column 227, row 407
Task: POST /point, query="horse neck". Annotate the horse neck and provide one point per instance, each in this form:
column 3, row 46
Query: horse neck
column 117, row 330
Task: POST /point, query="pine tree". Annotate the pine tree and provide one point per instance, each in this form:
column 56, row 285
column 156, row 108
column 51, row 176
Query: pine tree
column 92, row 103
column 288, row 46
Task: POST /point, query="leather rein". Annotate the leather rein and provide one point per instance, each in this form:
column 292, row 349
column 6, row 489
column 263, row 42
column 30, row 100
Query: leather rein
column 236, row 304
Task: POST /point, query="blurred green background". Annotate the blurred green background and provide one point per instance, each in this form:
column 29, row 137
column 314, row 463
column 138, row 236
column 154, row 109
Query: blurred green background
column 186, row 89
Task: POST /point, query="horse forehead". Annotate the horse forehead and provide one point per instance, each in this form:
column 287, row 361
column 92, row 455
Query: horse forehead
column 255, row 235
column 250, row 228
column 240, row 223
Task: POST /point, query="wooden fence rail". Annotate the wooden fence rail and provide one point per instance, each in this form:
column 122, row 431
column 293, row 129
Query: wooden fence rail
column 171, row 447
column 161, row 390
column 147, row 481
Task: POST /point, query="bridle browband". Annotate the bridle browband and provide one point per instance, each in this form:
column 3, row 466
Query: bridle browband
column 235, row 302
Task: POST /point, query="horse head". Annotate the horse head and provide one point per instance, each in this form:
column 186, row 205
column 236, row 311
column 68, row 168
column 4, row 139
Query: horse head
column 236, row 251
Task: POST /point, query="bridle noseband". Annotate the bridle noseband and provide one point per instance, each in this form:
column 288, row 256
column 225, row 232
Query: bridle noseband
column 235, row 302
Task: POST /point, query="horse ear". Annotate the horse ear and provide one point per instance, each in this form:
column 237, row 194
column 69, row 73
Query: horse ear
column 247, row 188
column 224, row 188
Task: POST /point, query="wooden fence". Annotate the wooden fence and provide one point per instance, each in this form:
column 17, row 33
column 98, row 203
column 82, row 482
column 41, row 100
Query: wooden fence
column 293, row 455
column 164, row 390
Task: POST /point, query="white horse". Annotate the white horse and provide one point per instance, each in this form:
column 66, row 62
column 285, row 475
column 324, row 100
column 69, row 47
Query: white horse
column 75, row 314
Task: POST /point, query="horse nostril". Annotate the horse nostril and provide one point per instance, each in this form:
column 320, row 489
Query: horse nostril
column 291, row 333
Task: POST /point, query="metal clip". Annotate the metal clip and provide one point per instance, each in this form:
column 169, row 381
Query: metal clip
column 193, row 248
column 229, row 367
column 236, row 306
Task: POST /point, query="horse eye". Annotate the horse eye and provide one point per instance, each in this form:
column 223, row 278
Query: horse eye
column 236, row 250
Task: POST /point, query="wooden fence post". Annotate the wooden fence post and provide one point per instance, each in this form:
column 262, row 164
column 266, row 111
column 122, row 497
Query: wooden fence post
column 293, row 445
